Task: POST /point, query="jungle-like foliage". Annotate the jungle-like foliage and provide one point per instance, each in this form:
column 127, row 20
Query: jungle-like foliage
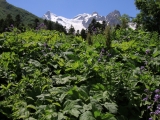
column 149, row 16
column 46, row 75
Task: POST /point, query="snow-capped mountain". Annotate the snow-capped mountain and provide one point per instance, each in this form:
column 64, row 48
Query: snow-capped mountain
column 75, row 22
column 82, row 21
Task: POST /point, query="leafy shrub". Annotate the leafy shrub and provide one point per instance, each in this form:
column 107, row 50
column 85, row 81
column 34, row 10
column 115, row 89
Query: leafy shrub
column 48, row 75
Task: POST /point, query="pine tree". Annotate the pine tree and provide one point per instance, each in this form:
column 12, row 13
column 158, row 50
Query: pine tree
column 71, row 30
column 2, row 25
column 9, row 21
column 36, row 23
column 77, row 33
column 103, row 25
column 92, row 26
column 45, row 22
column 17, row 21
column 50, row 25
column 83, row 34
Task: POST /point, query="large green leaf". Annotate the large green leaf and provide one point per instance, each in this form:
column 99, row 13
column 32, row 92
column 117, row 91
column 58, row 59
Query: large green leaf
column 35, row 62
column 112, row 107
column 108, row 116
column 31, row 106
column 31, row 118
column 61, row 116
column 87, row 116
column 70, row 104
column 75, row 112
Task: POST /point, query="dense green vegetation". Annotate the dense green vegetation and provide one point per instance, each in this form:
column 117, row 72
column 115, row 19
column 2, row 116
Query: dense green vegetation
column 47, row 75
column 104, row 73
column 149, row 15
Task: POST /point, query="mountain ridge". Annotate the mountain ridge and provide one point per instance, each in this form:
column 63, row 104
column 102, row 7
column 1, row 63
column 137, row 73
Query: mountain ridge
column 82, row 21
column 7, row 8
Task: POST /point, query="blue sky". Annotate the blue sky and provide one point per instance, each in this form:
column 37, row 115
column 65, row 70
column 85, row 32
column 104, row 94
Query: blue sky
column 71, row 8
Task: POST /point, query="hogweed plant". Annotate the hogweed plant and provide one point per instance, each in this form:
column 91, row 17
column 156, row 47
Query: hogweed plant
column 152, row 100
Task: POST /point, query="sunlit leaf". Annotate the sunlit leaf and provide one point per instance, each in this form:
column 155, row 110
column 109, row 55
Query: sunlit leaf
column 112, row 107
column 31, row 106
column 87, row 116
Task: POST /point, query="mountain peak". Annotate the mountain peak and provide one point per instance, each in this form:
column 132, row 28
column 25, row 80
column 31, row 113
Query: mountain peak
column 115, row 12
column 113, row 18
column 81, row 16
column 95, row 14
column 48, row 15
column 48, row 12
column 82, row 21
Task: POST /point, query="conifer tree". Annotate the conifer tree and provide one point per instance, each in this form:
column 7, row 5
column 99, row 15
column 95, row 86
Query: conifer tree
column 103, row 25
column 77, row 33
column 71, row 30
column 83, row 34
column 2, row 25
column 45, row 22
column 36, row 22
column 9, row 20
column 17, row 21
column 92, row 26
column 50, row 25
column 89, row 39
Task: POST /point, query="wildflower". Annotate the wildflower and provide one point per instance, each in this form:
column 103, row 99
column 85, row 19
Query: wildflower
column 12, row 25
column 142, row 67
column 155, row 99
column 147, row 51
column 157, row 112
column 150, row 119
column 145, row 99
column 157, row 91
column 156, row 96
column 158, row 107
column 102, row 50
column 148, row 107
column 151, row 113
column 42, row 24
column 99, row 59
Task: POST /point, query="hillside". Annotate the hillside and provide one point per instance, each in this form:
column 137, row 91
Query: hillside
column 7, row 8
column 46, row 75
